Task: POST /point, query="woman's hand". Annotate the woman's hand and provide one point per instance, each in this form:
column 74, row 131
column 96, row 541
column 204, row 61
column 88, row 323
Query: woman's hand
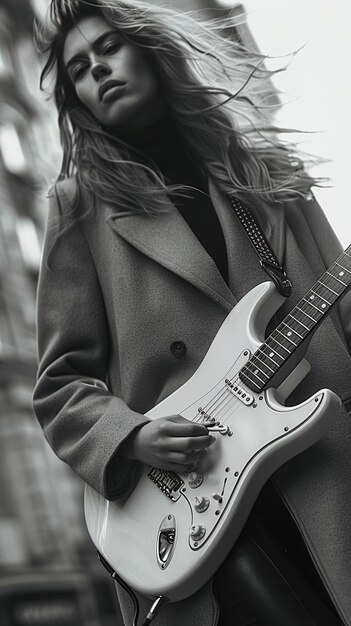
column 172, row 443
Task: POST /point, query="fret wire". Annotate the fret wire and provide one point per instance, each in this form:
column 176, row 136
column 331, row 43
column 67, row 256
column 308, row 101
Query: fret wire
column 345, row 263
column 304, row 312
column 324, row 283
column 336, row 263
column 338, row 279
column 267, row 355
column 342, row 258
column 334, row 292
column 295, row 331
column 315, row 307
column 252, row 374
column 257, row 369
column 344, row 268
column 319, row 296
column 292, row 322
column 327, row 280
column 255, row 356
column 298, row 321
column 251, row 381
column 280, row 344
column 308, row 303
column 285, row 336
column 272, row 350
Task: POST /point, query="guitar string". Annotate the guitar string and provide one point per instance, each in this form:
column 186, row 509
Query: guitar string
column 214, row 407
column 296, row 323
column 231, row 407
column 210, row 409
column 222, row 393
column 223, row 397
column 219, row 412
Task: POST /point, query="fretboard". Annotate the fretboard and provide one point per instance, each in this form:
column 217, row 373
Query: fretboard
column 298, row 324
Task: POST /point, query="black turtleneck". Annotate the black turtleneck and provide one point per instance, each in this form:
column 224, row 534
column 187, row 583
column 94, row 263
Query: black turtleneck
column 162, row 145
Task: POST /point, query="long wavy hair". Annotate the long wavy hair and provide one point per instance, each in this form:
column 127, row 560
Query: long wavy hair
column 218, row 92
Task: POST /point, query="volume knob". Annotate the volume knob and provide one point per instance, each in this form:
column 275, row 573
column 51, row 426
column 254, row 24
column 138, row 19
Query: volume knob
column 197, row 532
column 195, row 479
column 201, row 505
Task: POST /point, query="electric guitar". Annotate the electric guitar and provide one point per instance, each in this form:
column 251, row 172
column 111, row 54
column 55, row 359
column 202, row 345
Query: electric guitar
column 174, row 530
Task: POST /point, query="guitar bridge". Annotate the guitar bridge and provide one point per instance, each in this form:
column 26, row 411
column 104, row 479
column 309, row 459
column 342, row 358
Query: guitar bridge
column 168, row 482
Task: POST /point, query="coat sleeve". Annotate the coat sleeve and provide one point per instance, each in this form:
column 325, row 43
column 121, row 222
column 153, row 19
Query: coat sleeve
column 82, row 420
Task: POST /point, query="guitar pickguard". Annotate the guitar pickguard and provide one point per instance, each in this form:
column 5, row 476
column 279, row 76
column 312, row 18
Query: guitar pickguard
column 254, row 432
column 173, row 531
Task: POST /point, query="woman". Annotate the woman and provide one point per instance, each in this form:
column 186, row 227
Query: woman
column 143, row 260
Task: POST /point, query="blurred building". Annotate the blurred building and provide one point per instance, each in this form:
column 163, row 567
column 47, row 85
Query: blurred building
column 48, row 570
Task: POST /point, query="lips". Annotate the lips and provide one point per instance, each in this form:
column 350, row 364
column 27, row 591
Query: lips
column 109, row 84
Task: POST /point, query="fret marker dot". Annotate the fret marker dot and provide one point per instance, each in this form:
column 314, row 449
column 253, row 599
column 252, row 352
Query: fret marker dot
column 341, row 273
column 256, row 372
column 311, row 297
column 323, row 305
column 289, row 333
column 271, row 354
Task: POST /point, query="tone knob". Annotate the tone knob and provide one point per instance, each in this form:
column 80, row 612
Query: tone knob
column 202, row 504
column 197, row 532
column 195, row 479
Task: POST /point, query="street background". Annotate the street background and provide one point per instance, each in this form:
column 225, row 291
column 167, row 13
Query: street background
column 49, row 574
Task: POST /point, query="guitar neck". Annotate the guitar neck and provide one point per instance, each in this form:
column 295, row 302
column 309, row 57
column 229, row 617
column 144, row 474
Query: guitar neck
column 298, row 325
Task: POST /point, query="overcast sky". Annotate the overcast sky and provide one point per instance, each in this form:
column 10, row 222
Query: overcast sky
column 317, row 85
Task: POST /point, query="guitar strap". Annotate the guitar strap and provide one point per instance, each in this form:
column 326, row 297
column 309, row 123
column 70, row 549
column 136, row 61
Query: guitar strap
column 268, row 260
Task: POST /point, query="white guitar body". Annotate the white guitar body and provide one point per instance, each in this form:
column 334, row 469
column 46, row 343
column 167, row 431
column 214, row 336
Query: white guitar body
column 165, row 546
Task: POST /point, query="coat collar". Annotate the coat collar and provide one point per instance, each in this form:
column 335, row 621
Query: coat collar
column 184, row 255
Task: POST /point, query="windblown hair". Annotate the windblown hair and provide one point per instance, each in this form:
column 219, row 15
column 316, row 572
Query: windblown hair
column 218, row 93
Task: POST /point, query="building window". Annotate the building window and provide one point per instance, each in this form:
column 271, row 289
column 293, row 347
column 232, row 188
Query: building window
column 11, row 149
column 29, row 243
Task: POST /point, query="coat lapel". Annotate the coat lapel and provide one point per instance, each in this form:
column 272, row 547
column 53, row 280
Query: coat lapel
column 168, row 240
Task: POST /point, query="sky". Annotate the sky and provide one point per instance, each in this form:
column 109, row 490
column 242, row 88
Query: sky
column 317, row 86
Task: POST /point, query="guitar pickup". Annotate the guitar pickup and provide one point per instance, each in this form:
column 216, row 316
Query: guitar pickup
column 239, row 392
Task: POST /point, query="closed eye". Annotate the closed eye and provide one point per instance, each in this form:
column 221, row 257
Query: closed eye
column 110, row 48
column 78, row 71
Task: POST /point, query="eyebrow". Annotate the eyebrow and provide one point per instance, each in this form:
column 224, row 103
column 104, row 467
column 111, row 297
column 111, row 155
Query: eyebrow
column 94, row 45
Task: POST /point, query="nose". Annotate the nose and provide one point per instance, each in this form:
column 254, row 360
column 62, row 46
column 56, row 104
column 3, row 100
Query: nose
column 99, row 70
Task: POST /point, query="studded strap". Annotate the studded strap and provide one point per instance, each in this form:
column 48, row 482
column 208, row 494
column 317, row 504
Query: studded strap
column 268, row 260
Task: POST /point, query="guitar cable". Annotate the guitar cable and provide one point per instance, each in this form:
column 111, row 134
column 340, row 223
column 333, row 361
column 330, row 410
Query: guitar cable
column 153, row 609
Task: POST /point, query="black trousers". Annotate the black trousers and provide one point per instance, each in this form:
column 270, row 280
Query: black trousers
column 268, row 578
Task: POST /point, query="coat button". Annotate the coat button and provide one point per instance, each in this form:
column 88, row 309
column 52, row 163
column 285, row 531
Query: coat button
column 178, row 349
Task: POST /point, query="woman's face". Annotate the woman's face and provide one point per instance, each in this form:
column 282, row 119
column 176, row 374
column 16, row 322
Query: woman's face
column 112, row 77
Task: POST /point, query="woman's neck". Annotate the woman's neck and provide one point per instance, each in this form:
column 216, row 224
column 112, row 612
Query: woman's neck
column 161, row 144
column 160, row 141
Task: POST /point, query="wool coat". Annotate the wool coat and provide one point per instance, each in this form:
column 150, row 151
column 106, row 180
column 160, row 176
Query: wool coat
column 119, row 293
